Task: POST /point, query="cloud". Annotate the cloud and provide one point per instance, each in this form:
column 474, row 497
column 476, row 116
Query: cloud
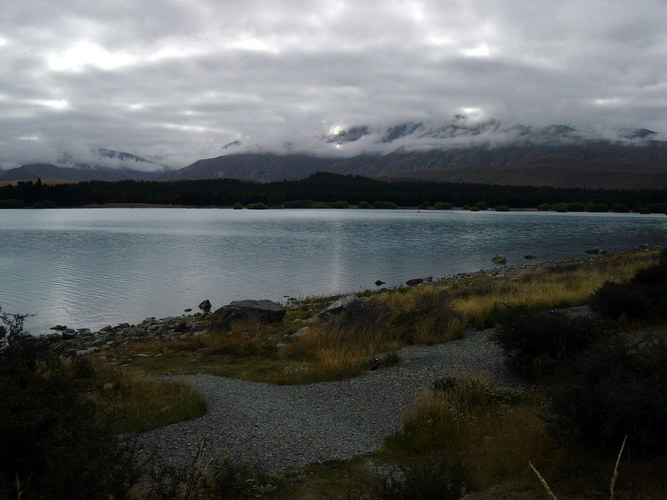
column 180, row 80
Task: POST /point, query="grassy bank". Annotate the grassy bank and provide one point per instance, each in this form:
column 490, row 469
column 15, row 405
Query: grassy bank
column 385, row 322
column 465, row 435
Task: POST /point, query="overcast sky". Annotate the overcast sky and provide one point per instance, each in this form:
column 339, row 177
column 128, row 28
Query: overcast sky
column 179, row 79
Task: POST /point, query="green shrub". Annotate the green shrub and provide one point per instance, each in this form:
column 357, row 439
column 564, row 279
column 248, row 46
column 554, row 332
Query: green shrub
column 615, row 389
column 424, row 205
column 297, row 203
column 44, row 204
column 11, row 203
column 502, row 208
column 537, row 342
column 576, row 207
column 544, row 207
column 339, row 204
column 620, row 208
column 658, row 208
column 238, row 206
column 438, row 476
column 443, row 205
column 384, row 204
column 219, row 479
column 364, row 204
column 643, row 297
column 482, row 205
column 318, row 204
column 52, row 443
column 257, row 206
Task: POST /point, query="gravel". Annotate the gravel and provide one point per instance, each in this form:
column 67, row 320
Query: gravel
column 276, row 427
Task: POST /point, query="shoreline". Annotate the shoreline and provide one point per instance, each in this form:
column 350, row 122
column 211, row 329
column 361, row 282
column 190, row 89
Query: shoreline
column 85, row 340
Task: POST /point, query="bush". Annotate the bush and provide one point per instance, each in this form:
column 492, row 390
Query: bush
column 339, row 204
column 615, row 389
column 201, row 479
column 318, row 204
column 643, row 297
column 384, row 204
column 44, row 204
column 257, row 206
column 438, row 476
column 364, row 204
column 576, row 207
column 536, row 342
column 52, row 444
column 11, row 203
column 620, row 208
column 237, row 206
column 502, row 208
column 443, row 205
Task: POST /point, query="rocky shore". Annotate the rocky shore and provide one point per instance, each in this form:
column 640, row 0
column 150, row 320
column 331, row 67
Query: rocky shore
column 72, row 342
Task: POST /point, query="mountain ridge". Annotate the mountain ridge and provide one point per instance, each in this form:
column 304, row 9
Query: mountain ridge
column 470, row 151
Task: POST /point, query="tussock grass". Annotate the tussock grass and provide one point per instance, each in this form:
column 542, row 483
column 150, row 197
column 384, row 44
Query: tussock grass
column 135, row 402
column 388, row 320
column 560, row 285
column 498, row 432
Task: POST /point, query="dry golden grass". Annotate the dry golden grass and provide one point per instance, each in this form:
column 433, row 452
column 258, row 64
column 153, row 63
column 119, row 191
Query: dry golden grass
column 500, row 432
column 343, row 348
column 135, row 402
column 563, row 285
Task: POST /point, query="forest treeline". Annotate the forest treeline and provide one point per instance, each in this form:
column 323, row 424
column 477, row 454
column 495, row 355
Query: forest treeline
column 322, row 189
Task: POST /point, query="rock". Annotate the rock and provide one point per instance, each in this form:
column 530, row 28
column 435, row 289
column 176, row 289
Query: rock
column 379, row 283
column 337, row 307
column 592, row 251
column 243, row 310
column 374, row 364
column 414, row 282
column 644, row 247
column 529, row 257
column 68, row 334
column 428, row 279
column 3, row 331
column 301, row 332
column 499, row 259
column 131, row 331
column 181, row 326
column 205, row 306
column 187, row 310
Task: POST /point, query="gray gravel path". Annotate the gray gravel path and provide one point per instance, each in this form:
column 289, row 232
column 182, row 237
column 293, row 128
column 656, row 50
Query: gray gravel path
column 276, row 427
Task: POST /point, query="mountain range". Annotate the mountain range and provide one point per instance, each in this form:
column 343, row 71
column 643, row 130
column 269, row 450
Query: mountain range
column 458, row 151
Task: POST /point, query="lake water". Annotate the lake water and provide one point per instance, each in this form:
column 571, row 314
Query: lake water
column 93, row 267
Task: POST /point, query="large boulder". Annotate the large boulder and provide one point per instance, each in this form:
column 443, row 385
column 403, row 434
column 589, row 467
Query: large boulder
column 265, row 311
column 414, row 282
column 337, row 307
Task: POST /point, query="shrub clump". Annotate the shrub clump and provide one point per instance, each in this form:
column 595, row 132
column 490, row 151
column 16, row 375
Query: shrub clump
column 612, row 390
column 52, row 443
column 643, row 297
column 437, row 476
column 536, row 342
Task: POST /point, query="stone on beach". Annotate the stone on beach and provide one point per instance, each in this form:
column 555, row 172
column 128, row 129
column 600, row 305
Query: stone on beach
column 340, row 305
column 266, row 311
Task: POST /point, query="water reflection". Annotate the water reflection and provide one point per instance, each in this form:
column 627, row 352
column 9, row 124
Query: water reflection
column 96, row 267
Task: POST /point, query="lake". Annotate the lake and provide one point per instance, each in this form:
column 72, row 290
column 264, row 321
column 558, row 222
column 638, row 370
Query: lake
column 93, row 267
